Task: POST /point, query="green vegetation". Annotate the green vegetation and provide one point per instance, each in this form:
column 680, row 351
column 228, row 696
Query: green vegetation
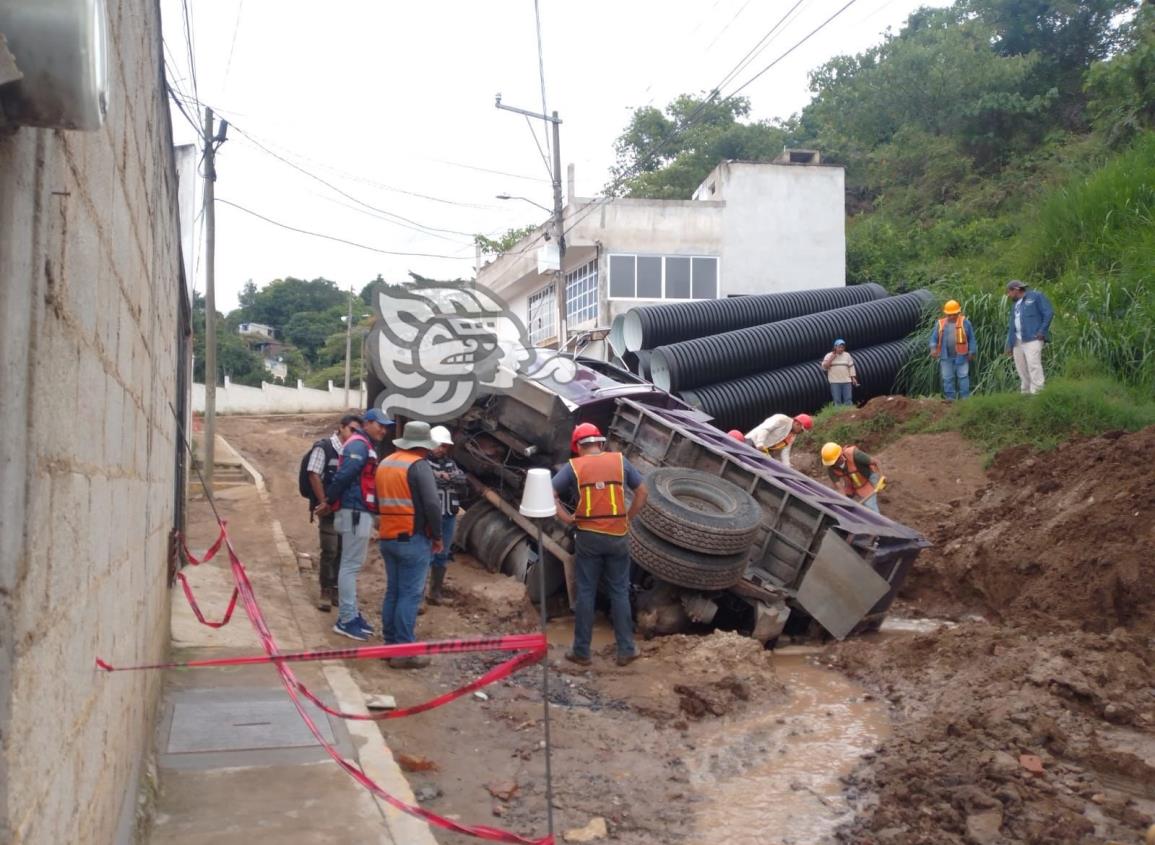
column 1069, row 407
column 991, row 140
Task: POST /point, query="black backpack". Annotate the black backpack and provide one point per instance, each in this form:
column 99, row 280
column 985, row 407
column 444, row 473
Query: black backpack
column 303, row 485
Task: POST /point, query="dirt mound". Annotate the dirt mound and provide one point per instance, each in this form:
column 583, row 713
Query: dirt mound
column 976, row 705
column 1062, row 536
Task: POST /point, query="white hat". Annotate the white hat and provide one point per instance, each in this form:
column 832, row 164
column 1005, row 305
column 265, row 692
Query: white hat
column 441, row 435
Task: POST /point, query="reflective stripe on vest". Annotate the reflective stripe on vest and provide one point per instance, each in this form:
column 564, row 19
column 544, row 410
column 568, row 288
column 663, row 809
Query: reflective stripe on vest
column 862, row 486
column 394, row 498
column 601, row 503
column 961, row 347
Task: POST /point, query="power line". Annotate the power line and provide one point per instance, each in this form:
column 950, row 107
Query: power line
column 347, row 195
column 233, row 43
column 541, row 76
column 188, row 37
column 335, row 238
column 757, row 49
column 692, row 119
column 806, row 38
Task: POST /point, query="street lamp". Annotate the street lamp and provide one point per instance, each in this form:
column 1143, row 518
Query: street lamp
column 524, row 199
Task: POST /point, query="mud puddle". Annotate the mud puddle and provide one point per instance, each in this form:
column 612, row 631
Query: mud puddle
column 775, row 777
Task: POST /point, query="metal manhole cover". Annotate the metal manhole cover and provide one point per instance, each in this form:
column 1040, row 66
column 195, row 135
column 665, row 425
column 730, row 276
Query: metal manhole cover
column 242, row 726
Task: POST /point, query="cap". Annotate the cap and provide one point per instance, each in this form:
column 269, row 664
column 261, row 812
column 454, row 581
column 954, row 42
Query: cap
column 441, row 435
column 1015, row 284
column 839, row 342
column 378, row 416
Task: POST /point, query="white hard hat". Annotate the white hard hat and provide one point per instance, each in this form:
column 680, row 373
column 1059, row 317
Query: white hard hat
column 441, row 435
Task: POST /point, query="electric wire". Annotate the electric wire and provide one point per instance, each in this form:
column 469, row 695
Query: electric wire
column 311, row 233
column 544, row 107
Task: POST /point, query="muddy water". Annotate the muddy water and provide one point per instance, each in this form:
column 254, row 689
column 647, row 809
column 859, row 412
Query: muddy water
column 773, row 778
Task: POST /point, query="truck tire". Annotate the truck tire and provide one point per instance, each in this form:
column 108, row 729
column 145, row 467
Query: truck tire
column 683, row 567
column 700, row 512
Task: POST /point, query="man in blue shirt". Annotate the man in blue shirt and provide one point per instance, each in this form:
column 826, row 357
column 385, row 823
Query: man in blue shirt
column 1030, row 328
column 952, row 342
column 596, row 482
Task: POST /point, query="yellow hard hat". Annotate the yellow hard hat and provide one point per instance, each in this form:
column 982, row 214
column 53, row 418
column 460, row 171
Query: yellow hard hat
column 830, row 454
column 951, row 307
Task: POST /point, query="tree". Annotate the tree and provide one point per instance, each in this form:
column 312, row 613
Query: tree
column 666, row 155
column 1122, row 89
column 503, row 243
column 277, row 302
column 234, row 358
column 308, row 330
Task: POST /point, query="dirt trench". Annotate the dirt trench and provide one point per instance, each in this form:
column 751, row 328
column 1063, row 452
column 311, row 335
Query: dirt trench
column 935, row 740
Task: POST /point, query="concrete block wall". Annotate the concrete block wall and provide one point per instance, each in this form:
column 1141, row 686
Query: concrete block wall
column 89, row 307
column 278, row 399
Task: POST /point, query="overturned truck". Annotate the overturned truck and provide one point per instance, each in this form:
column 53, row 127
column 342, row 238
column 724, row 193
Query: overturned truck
column 729, row 538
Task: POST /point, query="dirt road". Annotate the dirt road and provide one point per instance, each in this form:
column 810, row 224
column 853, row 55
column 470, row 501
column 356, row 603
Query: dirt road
column 711, row 739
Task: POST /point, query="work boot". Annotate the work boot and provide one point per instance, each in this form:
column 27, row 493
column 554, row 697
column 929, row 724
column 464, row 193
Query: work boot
column 578, row 659
column 436, row 583
column 325, row 601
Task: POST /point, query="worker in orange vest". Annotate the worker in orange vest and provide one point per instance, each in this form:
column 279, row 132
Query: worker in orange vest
column 409, row 534
column 775, row 435
column 952, row 342
column 854, row 473
column 597, row 480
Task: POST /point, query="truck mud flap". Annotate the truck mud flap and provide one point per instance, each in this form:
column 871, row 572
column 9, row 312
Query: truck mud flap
column 839, row 588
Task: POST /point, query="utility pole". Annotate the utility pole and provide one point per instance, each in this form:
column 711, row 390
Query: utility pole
column 210, row 307
column 348, row 344
column 558, row 215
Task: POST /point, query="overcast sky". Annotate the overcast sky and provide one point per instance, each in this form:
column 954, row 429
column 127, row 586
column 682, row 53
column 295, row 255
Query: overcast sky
column 388, row 100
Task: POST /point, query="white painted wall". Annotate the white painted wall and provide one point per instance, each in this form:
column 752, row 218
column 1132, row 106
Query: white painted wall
column 785, row 227
column 90, row 291
column 277, row 399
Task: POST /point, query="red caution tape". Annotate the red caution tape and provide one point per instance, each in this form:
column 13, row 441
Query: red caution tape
column 533, row 647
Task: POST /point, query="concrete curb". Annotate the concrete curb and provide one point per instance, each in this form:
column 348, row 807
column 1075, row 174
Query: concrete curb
column 373, row 755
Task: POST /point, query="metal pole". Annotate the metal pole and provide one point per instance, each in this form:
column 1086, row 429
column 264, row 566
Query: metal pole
column 545, row 677
column 348, row 344
column 559, row 230
column 210, row 309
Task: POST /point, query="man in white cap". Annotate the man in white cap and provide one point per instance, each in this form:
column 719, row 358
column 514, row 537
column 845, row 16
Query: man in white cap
column 450, row 486
column 409, row 536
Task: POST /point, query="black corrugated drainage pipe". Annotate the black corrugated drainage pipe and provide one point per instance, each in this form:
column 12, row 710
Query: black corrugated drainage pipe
column 798, row 389
column 643, row 366
column 617, row 344
column 724, row 357
column 651, row 326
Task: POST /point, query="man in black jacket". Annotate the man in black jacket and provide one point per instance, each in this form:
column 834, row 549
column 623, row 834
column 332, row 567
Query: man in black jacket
column 321, row 468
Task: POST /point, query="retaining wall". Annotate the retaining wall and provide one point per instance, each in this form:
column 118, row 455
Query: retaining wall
column 277, row 399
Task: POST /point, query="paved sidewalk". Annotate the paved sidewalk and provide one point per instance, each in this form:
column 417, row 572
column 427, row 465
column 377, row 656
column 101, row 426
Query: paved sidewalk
column 236, row 763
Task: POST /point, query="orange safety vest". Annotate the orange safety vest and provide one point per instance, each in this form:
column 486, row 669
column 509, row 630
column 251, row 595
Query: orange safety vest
column 861, row 484
column 788, row 440
column 601, row 505
column 394, row 498
column 961, row 347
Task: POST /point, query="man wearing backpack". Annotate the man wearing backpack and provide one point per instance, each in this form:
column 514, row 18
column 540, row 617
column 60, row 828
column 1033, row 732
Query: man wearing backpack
column 318, row 467
column 352, row 496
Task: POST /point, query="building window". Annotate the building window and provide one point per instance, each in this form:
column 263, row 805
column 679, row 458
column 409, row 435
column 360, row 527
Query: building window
column 663, row 277
column 540, row 316
column 581, row 294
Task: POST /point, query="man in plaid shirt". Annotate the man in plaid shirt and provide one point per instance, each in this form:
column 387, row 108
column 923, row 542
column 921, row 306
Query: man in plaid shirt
column 321, row 468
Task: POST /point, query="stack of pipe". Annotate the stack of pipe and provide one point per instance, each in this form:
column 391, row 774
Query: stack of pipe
column 742, row 358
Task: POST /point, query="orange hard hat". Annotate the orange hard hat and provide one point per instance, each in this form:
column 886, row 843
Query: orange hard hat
column 952, row 307
column 585, row 433
column 737, row 435
column 805, row 420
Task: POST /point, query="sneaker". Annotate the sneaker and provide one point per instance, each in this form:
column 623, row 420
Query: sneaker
column 363, row 625
column 351, row 630
column 578, row 659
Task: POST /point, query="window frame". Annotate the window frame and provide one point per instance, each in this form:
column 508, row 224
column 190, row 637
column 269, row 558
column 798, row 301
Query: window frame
column 587, row 275
column 717, row 259
column 548, row 295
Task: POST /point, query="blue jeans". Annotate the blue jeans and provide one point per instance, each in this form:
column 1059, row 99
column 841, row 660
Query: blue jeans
column 406, row 567
column 354, row 528
column 952, row 368
column 441, row 558
column 841, row 392
column 602, row 556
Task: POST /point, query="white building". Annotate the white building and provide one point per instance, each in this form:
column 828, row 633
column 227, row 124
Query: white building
column 750, row 228
column 257, row 329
